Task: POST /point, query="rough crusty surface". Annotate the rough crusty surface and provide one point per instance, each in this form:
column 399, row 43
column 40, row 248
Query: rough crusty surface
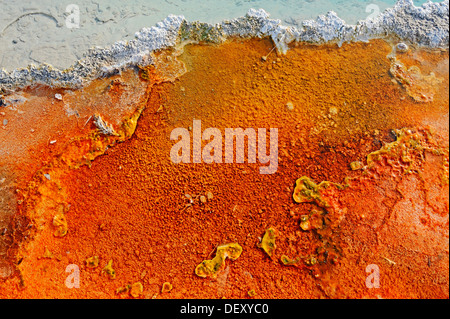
column 427, row 26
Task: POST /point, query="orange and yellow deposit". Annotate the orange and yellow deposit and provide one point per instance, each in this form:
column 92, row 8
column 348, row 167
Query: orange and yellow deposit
column 93, row 206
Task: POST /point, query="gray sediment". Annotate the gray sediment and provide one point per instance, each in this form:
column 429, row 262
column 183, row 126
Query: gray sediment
column 425, row 26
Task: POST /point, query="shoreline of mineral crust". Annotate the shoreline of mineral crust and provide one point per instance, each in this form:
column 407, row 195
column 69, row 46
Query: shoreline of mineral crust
column 424, row 26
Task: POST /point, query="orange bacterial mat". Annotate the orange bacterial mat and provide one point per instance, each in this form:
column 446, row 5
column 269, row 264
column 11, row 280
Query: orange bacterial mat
column 94, row 206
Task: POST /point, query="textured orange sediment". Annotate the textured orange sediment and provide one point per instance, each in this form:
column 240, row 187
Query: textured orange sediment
column 46, row 136
column 153, row 222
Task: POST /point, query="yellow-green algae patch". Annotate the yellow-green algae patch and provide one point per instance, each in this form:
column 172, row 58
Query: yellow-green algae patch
column 357, row 165
column 312, row 221
column 289, row 262
column 306, row 191
column 210, row 268
column 92, row 262
column 109, row 270
column 410, row 148
column 60, row 223
column 268, row 242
